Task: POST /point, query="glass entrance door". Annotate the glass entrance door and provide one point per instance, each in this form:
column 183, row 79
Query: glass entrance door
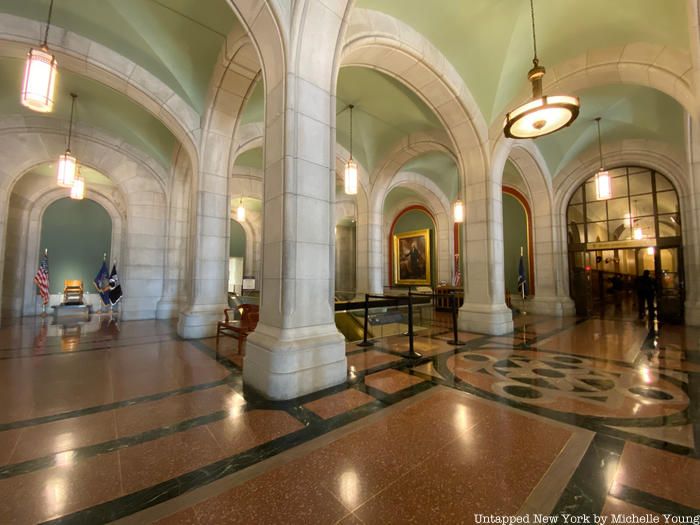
column 669, row 277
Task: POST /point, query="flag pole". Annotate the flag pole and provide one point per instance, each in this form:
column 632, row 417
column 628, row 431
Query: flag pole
column 522, row 286
column 43, row 304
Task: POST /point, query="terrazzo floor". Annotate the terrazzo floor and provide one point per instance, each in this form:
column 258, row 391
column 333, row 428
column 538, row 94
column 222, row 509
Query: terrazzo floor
column 126, row 422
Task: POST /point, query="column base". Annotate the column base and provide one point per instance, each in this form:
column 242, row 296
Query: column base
column 284, row 364
column 200, row 321
column 167, row 309
column 692, row 313
column 491, row 319
column 554, row 306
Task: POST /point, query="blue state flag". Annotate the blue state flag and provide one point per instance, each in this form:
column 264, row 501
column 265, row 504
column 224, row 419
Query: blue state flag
column 102, row 283
column 522, row 281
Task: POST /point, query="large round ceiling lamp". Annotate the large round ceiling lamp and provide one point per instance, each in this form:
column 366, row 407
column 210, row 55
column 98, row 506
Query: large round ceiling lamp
column 603, row 184
column 40, row 75
column 351, row 166
column 543, row 114
column 67, row 163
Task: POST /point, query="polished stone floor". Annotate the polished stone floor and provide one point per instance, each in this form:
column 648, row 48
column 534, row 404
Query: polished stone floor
column 112, row 421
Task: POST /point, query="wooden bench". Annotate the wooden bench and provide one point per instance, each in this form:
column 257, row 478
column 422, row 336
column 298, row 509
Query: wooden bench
column 250, row 313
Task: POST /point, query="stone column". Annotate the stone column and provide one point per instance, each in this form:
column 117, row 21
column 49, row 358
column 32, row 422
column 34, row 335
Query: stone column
column 209, row 231
column 484, row 310
column 550, row 252
column 296, row 348
column 690, row 219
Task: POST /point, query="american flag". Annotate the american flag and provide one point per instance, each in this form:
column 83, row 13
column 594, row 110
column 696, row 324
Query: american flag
column 42, row 278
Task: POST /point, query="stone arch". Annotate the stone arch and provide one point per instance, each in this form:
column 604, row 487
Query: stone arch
column 248, row 137
column 382, row 42
column 35, row 215
column 655, row 155
column 549, row 280
column 85, row 57
column 138, row 178
column 259, row 46
column 439, row 206
column 403, row 152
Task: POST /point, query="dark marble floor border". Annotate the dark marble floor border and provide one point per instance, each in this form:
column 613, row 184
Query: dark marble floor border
column 161, row 492
column 652, row 502
column 111, row 406
column 588, row 488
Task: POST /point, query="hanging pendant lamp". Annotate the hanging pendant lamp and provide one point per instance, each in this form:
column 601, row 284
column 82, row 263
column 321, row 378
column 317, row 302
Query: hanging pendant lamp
column 603, row 184
column 458, row 211
column 77, row 190
column 240, row 211
column 67, row 163
column 40, row 75
column 543, row 114
column 351, row 166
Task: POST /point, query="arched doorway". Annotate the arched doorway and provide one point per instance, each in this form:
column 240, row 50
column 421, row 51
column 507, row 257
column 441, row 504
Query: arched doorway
column 612, row 241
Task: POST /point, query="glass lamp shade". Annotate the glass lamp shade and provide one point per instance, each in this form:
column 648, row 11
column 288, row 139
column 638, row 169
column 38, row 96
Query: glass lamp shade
column 240, row 213
column 77, row 191
column 458, row 212
column 67, row 165
column 638, row 234
column 541, row 116
column 603, row 186
column 351, row 177
column 650, row 250
column 39, row 81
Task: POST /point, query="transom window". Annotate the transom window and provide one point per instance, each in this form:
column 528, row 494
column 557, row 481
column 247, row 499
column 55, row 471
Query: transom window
column 643, row 207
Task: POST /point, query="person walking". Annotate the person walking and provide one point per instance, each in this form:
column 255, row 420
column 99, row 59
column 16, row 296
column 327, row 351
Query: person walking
column 646, row 288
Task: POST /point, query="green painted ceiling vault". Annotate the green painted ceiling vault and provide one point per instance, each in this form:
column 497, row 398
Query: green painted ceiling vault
column 148, row 32
column 97, row 106
column 489, row 42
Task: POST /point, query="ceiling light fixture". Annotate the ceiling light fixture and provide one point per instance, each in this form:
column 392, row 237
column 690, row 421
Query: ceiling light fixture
column 543, row 114
column 458, row 211
column 603, row 185
column 351, row 166
column 67, row 163
column 77, row 191
column 40, row 75
column 240, row 211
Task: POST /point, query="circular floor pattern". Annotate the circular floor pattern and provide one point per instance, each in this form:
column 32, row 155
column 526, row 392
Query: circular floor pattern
column 569, row 384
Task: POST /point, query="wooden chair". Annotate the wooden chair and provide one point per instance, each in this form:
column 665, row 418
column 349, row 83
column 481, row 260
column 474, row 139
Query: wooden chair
column 250, row 314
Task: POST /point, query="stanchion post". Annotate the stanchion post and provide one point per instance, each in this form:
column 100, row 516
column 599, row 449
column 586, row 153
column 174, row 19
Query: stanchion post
column 412, row 354
column 364, row 341
column 455, row 337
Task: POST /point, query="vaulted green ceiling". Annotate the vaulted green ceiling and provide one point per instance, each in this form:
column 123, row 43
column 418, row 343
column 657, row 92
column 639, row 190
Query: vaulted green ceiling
column 439, row 168
column 254, row 109
column 385, row 112
column 489, row 42
column 178, row 41
column 253, row 158
column 97, row 106
column 626, row 112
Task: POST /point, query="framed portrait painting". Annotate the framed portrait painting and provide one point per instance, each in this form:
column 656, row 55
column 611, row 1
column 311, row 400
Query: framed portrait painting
column 412, row 258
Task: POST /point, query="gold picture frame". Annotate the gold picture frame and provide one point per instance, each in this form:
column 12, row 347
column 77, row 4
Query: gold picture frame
column 412, row 258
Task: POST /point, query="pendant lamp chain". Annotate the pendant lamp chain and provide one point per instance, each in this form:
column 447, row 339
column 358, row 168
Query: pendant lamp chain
column 351, row 106
column 600, row 144
column 70, row 124
column 535, row 60
column 48, row 24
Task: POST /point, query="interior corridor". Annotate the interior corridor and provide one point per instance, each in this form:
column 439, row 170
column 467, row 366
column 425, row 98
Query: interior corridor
column 125, row 421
